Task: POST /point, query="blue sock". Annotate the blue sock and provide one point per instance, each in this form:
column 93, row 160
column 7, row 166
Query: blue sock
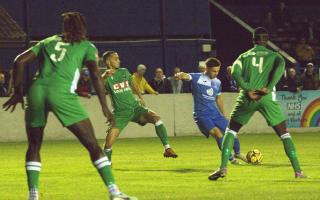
column 236, row 146
column 219, row 142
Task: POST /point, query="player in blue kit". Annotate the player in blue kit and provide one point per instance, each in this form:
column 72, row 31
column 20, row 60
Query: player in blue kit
column 209, row 112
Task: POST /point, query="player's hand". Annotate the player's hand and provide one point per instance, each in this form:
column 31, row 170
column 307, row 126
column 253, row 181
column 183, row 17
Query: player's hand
column 110, row 119
column 253, row 95
column 13, row 101
column 262, row 92
column 156, row 93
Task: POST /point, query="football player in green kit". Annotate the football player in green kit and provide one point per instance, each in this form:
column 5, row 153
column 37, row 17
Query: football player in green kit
column 120, row 87
column 53, row 89
column 257, row 71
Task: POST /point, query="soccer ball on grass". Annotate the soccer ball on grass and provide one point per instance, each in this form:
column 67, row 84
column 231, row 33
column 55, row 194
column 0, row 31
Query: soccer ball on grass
column 254, row 157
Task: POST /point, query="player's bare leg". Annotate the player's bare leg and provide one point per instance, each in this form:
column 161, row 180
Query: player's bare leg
column 83, row 130
column 33, row 161
column 282, row 132
column 227, row 147
column 152, row 117
column 112, row 135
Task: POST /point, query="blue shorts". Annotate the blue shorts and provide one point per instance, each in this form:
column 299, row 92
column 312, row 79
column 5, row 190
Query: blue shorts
column 207, row 122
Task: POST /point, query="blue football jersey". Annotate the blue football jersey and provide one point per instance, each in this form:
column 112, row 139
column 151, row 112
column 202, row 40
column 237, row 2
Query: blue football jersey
column 205, row 91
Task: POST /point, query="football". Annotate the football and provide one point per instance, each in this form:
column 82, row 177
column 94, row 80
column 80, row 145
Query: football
column 254, row 157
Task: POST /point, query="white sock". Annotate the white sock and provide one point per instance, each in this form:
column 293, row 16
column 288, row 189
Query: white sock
column 167, row 146
column 33, row 194
column 113, row 189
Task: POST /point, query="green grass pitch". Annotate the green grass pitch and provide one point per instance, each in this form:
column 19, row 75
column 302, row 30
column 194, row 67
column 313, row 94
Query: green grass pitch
column 140, row 170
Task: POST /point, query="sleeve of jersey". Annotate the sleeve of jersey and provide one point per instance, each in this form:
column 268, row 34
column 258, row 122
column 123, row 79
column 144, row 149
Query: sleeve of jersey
column 277, row 72
column 149, row 89
column 36, row 49
column 220, row 88
column 237, row 75
column 91, row 54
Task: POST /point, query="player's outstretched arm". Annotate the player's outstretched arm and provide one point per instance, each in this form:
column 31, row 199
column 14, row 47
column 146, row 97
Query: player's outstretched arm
column 100, row 89
column 19, row 64
column 182, row 76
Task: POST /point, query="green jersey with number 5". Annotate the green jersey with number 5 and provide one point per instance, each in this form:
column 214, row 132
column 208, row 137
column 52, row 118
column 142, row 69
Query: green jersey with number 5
column 257, row 68
column 61, row 62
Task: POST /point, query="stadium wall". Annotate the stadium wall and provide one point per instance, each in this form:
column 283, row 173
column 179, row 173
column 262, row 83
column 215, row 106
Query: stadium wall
column 175, row 111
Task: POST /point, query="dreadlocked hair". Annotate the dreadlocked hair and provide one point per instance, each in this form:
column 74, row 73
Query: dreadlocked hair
column 74, row 27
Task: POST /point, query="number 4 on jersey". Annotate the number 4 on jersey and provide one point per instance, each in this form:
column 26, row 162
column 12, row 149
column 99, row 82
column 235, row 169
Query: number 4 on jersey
column 259, row 65
column 60, row 49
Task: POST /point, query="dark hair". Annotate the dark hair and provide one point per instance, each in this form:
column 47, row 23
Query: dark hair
column 213, row 62
column 107, row 54
column 74, row 27
column 260, row 34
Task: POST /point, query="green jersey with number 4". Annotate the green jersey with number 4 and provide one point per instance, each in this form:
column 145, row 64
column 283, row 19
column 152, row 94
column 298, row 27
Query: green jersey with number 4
column 119, row 87
column 61, row 62
column 257, row 68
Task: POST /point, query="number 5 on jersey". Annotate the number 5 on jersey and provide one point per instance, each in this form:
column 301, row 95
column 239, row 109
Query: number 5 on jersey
column 259, row 64
column 60, row 49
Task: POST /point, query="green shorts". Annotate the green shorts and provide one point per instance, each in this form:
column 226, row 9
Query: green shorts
column 267, row 106
column 42, row 99
column 122, row 118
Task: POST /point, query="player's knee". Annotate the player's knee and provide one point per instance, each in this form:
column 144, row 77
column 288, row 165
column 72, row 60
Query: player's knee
column 156, row 119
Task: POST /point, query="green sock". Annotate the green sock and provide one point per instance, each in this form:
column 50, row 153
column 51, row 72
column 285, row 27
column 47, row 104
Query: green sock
column 227, row 146
column 162, row 133
column 103, row 166
column 33, row 171
column 291, row 151
column 108, row 153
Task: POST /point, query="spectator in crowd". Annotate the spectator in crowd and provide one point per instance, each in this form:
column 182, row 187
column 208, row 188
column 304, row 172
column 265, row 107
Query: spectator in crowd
column 202, row 67
column 269, row 23
column 3, row 89
column 141, row 82
column 281, row 14
column 160, row 83
column 176, row 85
column 311, row 33
column 84, row 84
column 293, row 83
column 8, row 82
column 310, row 79
column 228, row 83
column 304, row 52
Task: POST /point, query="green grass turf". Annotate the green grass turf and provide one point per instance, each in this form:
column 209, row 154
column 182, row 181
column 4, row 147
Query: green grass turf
column 141, row 170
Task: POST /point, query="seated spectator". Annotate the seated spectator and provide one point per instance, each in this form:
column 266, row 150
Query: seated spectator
column 3, row 89
column 84, row 84
column 310, row 78
column 292, row 83
column 176, row 85
column 140, row 81
column 160, row 83
column 228, row 83
column 304, row 52
column 202, row 67
column 8, row 82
